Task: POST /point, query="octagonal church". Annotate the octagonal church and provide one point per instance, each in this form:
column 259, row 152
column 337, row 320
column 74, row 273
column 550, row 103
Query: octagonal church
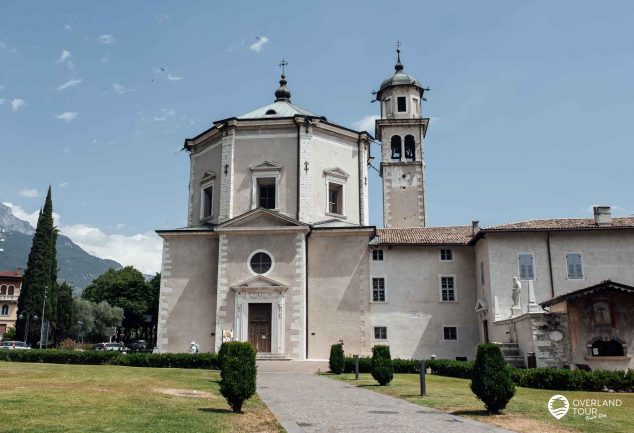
column 278, row 251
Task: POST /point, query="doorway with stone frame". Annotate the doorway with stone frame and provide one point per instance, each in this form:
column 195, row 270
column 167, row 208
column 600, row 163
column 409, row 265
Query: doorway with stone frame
column 259, row 333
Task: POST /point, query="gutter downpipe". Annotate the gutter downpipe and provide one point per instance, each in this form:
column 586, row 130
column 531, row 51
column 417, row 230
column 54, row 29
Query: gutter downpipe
column 550, row 268
column 306, row 289
column 299, row 168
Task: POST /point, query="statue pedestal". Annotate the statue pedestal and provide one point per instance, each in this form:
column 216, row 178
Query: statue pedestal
column 534, row 308
column 516, row 310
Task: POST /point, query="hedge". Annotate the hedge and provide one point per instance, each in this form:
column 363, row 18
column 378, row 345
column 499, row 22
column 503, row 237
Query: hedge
column 542, row 378
column 94, row 357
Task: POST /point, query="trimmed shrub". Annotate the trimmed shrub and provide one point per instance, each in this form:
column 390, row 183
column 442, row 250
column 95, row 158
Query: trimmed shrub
column 382, row 370
column 336, row 363
column 94, row 357
column 238, row 373
column 491, row 381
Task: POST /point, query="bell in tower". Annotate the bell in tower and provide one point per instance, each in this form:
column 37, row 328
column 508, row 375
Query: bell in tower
column 401, row 130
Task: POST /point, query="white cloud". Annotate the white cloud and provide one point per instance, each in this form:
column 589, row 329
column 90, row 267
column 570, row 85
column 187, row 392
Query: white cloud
column 366, row 123
column 28, row 192
column 68, row 116
column 8, row 48
column 106, row 39
column 70, row 83
column 17, row 103
column 63, row 184
column 142, row 250
column 65, row 55
column 173, row 78
column 118, row 88
column 120, row 226
column 257, row 46
column 68, row 27
column 165, row 114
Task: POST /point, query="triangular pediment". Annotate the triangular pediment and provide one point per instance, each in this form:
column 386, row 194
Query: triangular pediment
column 481, row 305
column 261, row 218
column 336, row 172
column 259, row 283
column 207, row 176
column 266, row 166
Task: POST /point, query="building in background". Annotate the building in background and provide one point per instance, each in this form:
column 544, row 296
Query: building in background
column 10, row 285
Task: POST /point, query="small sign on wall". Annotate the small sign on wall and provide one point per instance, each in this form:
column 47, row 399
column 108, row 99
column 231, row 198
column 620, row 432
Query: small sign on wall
column 227, row 335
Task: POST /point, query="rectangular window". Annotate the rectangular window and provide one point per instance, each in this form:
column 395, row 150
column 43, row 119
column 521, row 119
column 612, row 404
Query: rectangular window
column 266, row 192
column 335, row 196
column 401, row 103
column 446, row 255
column 377, row 255
column 415, row 105
column 207, row 204
column 378, row 289
column 482, row 273
column 447, row 289
column 450, row 333
column 575, row 266
column 526, row 267
column 380, row 332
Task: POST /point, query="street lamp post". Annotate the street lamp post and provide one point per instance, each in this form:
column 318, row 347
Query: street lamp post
column 80, row 323
column 28, row 315
column 43, row 314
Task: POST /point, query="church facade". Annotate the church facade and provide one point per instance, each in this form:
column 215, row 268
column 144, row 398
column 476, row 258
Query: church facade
column 278, row 251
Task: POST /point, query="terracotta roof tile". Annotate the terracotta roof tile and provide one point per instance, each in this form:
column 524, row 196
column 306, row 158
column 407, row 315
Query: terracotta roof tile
column 562, row 224
column 456, row 235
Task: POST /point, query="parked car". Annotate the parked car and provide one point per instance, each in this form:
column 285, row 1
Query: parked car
column 139, row 345
column 14, row 345
column 117, row 347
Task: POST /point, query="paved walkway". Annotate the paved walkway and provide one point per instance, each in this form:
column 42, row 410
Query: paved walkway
column 305, row 402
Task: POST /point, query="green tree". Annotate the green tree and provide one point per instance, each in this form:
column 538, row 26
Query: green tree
column 337, row 359
column 124, row 288
column 382, row 369
column 95, row 318
column 40, row 276
column 237, row 373
column 491, row 381
column 65, row 314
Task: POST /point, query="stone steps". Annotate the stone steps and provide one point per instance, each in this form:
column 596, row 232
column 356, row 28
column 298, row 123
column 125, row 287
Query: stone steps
column 512, row 354
column 272, row 357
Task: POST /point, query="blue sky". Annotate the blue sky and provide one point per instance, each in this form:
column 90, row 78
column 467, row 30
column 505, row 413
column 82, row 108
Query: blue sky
column 531, row 103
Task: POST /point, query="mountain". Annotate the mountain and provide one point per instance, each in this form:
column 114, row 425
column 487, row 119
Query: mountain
column 75, row 265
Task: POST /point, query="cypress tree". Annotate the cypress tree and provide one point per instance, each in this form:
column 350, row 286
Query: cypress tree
column 40, row 275
column 65, row 319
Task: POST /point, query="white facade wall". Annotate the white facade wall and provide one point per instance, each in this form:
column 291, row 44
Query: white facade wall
column 414, row 312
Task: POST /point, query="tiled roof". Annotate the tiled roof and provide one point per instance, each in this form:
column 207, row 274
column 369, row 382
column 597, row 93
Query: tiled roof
column 562, row 224
column 597, row 288
column 14, row 274
column 456, row 235
column 278, row 109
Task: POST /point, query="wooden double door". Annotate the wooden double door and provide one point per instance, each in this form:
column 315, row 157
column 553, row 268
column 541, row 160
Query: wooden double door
column 260, row 326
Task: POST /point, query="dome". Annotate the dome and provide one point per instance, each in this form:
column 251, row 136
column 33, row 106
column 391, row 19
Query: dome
column 399, row 78
column 282, row 93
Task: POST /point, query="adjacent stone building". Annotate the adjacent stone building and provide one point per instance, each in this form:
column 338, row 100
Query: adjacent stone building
column 10, row 286
column 278, row 251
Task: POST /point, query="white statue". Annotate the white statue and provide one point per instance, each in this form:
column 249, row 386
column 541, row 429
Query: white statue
column 517, row 289
column 193, row 348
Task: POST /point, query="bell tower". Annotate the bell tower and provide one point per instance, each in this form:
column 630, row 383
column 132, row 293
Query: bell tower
column 401, row 130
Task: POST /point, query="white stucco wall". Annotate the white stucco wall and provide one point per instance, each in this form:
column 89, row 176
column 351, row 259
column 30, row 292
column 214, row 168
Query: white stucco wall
column 414, row 313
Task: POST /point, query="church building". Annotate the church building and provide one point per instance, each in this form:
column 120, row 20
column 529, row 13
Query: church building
column 278, row 251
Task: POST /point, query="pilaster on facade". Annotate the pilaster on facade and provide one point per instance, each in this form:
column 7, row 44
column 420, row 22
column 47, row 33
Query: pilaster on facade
column 222, row 293
column 190, row 201
column 363, row 158
column 305, row 205
column 165, row 297
column 227, row 172
column 297, row 334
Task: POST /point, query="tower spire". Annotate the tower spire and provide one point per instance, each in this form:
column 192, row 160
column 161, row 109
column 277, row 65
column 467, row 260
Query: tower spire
column 398, row 67
column 282, row 93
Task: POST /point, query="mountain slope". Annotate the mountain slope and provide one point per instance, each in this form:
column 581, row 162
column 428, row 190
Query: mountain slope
column 75, row 265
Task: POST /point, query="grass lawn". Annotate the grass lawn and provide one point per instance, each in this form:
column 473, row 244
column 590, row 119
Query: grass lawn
column 527, row 412
column 79, row 398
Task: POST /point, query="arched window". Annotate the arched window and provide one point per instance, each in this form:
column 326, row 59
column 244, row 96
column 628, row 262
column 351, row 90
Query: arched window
column 5, row 310
column 11, row 290
column 3, row 289
column 396, row 147
column 410, row 148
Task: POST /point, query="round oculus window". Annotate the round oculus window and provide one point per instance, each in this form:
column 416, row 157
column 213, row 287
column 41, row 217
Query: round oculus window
column 261, row 263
